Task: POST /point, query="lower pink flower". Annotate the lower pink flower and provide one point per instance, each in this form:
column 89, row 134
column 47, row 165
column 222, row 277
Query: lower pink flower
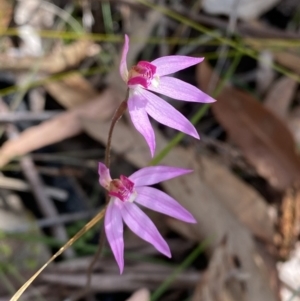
column 125, row 193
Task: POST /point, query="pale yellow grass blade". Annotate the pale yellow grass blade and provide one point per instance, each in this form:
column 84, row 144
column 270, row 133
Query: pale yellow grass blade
column 87, row 227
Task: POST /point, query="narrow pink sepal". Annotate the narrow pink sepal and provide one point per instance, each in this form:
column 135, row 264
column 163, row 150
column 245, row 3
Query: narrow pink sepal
column 155, row 174
column 170, row 64
column 113, row 225
column 104, row 175
column 140, row 119
column 123, row 64
column 178, row 89
column 142, row 226
column 159, row 201
column 164, row 113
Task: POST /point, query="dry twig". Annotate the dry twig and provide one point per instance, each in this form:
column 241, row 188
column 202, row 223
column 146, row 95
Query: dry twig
column 45, row 203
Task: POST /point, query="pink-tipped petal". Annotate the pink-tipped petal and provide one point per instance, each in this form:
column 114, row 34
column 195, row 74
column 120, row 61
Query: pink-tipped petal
column 104, row 175
column 178, row 89
column 113, row 225
column 123, row 64
column 140, row 119
column 142, row 226
column 170, row 64
column 161, row 202
column 155, row 174
column 164, row 113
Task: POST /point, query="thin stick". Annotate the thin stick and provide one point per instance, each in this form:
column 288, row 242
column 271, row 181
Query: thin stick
column 37, row 186
column 14, row 117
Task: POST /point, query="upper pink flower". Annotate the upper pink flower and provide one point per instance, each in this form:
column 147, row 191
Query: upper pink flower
column 125, row 192
column 151, row 76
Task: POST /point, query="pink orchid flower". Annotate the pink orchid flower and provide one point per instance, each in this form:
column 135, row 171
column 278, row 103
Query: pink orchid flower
column 151, row 76
column 126, row 193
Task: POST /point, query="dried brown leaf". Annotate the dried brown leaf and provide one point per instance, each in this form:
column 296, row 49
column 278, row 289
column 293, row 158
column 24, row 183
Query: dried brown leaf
column 223, row 280
column 66, row 57
column 264, row 139
column 64, row 126
column 216, row 220
column 140, row 295
column 251, row 209
column 5, row 13
column 280, row 96
column 72, row 91
column 183, row 229
column 289, row 60
column 293, row 121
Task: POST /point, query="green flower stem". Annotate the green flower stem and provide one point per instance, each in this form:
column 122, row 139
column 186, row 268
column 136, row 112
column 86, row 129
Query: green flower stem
column 185, row 264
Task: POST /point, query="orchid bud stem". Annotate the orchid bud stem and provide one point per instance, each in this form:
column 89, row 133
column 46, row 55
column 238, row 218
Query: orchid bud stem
column 117, row 115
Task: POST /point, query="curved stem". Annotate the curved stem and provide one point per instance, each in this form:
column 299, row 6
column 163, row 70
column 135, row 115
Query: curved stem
column 118, row 114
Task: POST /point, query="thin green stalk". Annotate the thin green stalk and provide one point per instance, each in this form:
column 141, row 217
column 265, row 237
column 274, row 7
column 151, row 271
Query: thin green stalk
column 107, row 18
column 246, row 50
column 108, row 38
column 6, row 282
column 118, row 114
column 185, row 264
column 112, row 38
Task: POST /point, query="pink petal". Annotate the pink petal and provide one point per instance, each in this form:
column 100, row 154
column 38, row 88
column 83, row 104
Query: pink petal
column 142, row 226
column 170, row 64
column 164, row 113
column 161, row 202
column 140, row 119
column 178, row 89
column 113, row 225
column 123, row 64
column 155, row 174
column 104, row 175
